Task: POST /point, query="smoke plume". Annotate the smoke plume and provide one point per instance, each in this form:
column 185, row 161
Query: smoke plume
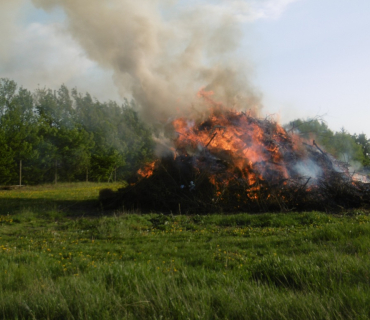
column 9, row 12
column 163, row 51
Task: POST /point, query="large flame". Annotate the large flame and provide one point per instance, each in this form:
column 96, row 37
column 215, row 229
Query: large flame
column 246, row 143
column 240, row 153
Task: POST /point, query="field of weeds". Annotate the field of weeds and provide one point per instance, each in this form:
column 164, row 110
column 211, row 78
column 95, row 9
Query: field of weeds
column 59, row 262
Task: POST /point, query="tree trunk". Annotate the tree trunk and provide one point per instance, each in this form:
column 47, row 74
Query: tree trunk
column 20, row 172
column 110, row 176
column 56, row 172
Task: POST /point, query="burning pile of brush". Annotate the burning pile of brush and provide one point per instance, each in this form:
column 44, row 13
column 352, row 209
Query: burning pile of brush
column 234, row 162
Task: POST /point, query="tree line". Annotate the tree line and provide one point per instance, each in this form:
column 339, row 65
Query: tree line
column 350, row 148
column 49, row 136
column 62, row 135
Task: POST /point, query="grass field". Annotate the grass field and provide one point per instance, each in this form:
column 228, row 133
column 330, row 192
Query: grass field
column 63, row 257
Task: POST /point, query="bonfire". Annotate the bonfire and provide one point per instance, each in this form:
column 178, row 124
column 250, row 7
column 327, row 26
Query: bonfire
column 232, row 161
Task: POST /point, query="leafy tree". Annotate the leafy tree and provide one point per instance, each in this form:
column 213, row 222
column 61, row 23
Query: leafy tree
column 312, row 129
column 8, row 89
column 364, row 143
column 73, row 152
column 341, row 144
column 58, row 135
column 138, row 138
column 66, row 143
column 55, row 108
column 345, row 148
column 122, row 142
column 19, row 124
column 104, row 162
column 6, row 160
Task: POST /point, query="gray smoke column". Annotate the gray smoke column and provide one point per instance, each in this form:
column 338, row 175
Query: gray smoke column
column 162, row 52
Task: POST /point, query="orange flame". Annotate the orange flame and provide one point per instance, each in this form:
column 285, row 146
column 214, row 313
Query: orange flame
column 148, row 170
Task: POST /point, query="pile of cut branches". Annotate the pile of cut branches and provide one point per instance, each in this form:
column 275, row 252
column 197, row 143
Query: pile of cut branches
column 232, row 162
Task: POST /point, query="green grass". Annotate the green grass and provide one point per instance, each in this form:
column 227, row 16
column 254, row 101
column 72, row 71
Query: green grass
column 55, row 264
column 65, row 198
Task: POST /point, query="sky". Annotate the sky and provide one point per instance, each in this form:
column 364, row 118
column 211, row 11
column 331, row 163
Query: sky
column 306, row 58
column 314, row 61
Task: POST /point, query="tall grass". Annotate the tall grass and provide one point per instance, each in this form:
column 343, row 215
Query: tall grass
column 131, row 266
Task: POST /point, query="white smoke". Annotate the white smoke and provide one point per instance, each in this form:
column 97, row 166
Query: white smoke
column 308, row 169
column 160, row 52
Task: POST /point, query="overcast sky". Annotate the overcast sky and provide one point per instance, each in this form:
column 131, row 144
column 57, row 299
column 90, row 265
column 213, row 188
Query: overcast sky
column 308, row 57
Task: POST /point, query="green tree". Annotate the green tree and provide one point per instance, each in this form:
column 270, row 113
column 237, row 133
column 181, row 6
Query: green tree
column 341, row 144
column 61, row 136
column 73, row 152
column 312, row 129
column 8, row 89
column 54, row 107
column 345, row 148
column 19, row 125
column 66, row 144
column 138, row 137
column 6, row 160
column 364, row 143
column 122, row 142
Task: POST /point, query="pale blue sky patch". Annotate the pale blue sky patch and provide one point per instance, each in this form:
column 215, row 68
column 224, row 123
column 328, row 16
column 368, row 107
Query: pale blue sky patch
column 33, row 14
column 314, row 60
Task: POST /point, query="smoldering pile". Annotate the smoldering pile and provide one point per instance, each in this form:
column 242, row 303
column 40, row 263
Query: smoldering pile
column 234, row 162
